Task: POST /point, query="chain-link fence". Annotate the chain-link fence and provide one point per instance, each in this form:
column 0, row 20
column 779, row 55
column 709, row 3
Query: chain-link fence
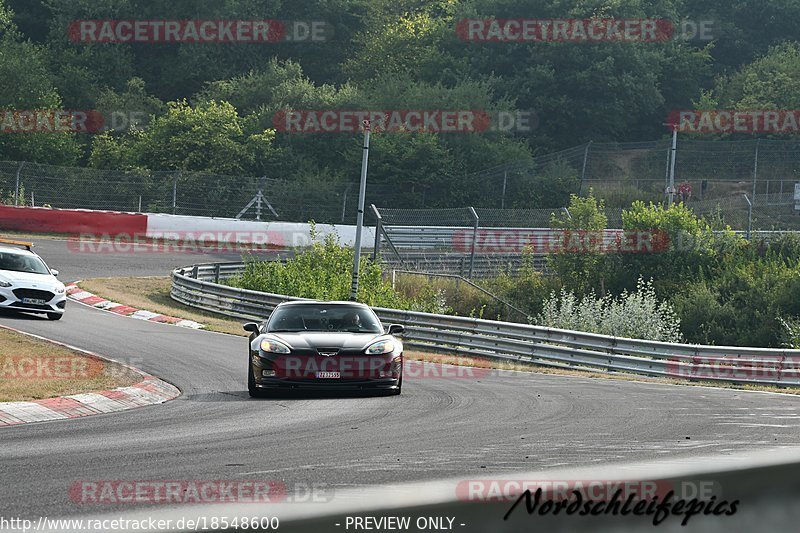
column 182, row 193
column 711, row 176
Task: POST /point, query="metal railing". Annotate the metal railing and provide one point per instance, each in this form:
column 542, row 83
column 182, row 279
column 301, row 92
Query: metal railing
column 198, row 286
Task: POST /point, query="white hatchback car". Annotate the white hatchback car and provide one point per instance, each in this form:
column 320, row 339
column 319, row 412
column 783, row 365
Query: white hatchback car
column 26, row 282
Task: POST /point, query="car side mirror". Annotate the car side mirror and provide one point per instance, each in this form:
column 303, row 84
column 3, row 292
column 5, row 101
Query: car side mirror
column 396, row 329
column 54, row 272
column 252, row 327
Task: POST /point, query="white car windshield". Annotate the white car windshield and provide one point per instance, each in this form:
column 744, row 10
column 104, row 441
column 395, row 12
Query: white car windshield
column 22, row 263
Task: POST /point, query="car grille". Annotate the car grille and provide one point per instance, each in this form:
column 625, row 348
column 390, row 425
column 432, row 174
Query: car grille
column 32, row 306
column 34, row 293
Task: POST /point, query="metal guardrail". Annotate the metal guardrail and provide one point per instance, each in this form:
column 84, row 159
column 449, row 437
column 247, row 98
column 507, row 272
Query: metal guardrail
column 198, row 286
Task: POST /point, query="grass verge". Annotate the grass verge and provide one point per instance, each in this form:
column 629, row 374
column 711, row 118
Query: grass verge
column 152, row 294
column 33, row 369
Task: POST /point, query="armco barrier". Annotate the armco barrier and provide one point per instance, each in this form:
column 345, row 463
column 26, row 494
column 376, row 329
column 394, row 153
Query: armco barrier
column 198, row 286
column 172, row 227
column 75, row 221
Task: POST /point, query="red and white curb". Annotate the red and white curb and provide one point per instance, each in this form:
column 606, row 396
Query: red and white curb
column 76, row 293
column 149, row 391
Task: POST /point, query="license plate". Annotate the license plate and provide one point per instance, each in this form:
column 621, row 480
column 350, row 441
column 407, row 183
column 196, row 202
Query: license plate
column 33, row 301
column 328, row 375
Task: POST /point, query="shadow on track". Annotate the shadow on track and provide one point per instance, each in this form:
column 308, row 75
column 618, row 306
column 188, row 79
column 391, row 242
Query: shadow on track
column 243, row 396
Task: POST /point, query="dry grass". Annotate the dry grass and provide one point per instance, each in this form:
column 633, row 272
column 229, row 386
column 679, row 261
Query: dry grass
column 152, row 294
column 32, row 369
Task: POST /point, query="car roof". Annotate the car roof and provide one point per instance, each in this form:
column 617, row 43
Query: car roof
column 317, row 302
column 10, row 249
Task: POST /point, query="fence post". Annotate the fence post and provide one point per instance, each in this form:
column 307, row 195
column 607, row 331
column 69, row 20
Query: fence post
column 503, row 198
column 216, row 273
column 195, row 271
column 474, row 240
column 755, row 170
column 175, row 192
column 673, row 156
column 16, row 191
column 378, row 228
column 583, row 170
column 344, row 200
column 749, row 216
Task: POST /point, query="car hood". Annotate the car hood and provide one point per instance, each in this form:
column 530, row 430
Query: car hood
column 323, row 339
column 27, row 279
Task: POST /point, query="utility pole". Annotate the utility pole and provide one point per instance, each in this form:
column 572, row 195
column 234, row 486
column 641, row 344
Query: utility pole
column 673, row 154
column 360, row 217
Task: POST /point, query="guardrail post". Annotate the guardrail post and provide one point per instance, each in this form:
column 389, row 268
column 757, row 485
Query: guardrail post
column 16, row 191
column 378, row 228
column 583, row 170
column 216, row 273
column 474, row 240
column 175, row 192
column 195, row 271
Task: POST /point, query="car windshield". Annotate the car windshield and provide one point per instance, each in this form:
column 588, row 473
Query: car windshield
column 22, row 263
column 322, row 317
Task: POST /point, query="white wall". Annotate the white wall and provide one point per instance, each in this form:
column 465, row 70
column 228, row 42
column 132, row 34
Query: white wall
column 249, row 231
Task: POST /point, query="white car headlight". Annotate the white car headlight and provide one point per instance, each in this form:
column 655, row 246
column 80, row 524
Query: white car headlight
column 4, row 284
column 271, row 346
column 380, row 347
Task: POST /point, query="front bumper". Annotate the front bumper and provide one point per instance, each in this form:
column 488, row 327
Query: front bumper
column 13, row 301
column 357, row 372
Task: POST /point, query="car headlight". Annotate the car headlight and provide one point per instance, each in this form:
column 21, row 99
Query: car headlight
column 271, row 346
column 380, row 347
column 60, row 290
column 4, row 284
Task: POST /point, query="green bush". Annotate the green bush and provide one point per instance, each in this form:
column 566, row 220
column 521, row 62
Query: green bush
column 323, row 271
column 742, row 305
column 636, row 315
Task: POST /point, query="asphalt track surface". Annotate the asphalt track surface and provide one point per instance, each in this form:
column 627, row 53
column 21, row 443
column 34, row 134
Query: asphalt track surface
column 439, row 427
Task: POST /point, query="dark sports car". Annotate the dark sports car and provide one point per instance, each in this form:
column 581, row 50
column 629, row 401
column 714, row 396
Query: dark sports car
column 324, row 345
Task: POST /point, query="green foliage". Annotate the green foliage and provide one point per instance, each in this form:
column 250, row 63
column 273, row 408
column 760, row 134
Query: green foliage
column 791, row 336
column 207, row 137
column 582, row 271
column 323, row 271
column 636, row 315
column 743, row 304
column 684, row 246
column 27, row 84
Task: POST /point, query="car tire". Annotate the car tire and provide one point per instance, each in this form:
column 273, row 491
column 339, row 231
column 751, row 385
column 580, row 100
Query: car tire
column 398, row 390
column 54, row 316
column 251, row 385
